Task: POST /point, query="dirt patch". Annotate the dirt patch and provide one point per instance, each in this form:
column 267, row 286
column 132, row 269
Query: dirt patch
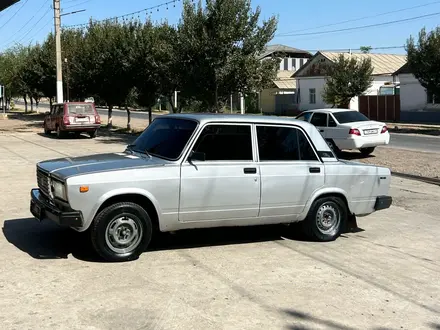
column 399, row 160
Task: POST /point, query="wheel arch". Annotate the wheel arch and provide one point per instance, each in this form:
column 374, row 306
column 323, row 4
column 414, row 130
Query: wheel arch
column 140, row 197
column 328, row 192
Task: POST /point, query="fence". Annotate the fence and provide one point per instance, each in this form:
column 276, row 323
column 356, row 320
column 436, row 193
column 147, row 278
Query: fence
column 380, row 107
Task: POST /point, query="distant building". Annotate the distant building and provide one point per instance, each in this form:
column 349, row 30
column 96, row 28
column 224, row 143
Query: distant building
column 280, row 98
column 311, row 78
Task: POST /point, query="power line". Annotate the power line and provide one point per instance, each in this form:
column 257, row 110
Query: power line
column 354, row 49
column 10, row 18
column 78, row 4
column 36, row 13
column 129, row 14
column 361, row 18
column 362, row 26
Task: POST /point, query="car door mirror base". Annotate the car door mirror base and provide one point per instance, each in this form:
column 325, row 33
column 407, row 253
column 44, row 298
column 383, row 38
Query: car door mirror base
column 200, row 156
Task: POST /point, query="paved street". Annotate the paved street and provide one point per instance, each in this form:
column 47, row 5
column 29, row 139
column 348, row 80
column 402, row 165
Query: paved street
column 383, row 277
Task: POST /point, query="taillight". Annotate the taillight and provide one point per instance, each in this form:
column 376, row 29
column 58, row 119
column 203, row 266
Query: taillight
column 97, row 119
column 384, row 130
column 354, row 131
column 66, row 120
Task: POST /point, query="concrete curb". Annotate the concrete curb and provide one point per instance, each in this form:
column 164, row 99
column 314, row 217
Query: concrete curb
column 417, row 178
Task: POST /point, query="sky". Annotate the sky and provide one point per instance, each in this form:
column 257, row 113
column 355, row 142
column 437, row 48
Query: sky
column 301, row 24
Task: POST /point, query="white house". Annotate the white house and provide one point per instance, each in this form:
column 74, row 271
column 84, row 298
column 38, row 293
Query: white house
column 311, row 79
column 280, row 98
column 413, row 96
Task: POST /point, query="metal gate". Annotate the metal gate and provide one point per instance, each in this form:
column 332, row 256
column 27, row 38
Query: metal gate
column 380, row 107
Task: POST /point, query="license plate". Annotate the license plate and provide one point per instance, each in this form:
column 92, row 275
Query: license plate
column 81, row 120
column 370, row 131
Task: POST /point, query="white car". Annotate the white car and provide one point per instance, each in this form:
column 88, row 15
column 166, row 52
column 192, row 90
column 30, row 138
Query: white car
column 347, row 129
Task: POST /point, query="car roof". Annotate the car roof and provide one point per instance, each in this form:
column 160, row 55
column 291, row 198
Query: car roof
column 239, row 118
column 329, row 110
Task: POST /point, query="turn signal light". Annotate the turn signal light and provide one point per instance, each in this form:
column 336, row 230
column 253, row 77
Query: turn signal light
column 354, row 131
column 83, row 189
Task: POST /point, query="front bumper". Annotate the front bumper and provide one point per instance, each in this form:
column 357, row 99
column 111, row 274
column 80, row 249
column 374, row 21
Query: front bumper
column 42, row 209
column 383, row 202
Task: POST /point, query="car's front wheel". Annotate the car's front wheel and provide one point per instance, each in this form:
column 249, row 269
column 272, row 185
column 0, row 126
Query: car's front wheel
column 326, row 219
column 46, row 130
column 367, row 151
column 121, row 232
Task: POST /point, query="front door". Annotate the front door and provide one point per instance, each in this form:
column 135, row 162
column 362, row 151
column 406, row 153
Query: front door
column 290, row 170
column 226, row 185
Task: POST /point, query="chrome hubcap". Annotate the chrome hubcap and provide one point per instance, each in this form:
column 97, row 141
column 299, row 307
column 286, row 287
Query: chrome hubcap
column 328, row 218
column 123, row 235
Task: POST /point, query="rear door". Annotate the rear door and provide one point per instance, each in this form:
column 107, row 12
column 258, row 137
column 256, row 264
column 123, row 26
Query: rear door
column 290, row 170
column 81, row 113
column 319, row 120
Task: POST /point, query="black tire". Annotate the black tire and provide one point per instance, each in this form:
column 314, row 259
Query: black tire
column 60, row 134
column 46, row 130
column 93, row 134
column 313, row 225
column 366, row 151
column 77, row 135
column 331, row 144
column 121, row 216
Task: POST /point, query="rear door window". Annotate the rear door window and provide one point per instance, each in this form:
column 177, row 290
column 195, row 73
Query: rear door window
column 81, row 109
column 319, row 119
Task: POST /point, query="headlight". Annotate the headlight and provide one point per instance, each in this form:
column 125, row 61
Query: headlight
column 59, row 190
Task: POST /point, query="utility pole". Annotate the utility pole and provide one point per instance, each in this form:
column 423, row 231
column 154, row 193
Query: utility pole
column 57, row 21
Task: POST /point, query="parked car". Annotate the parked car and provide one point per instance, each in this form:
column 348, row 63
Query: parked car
column 197, row 171
column 348, row 129
column 76, row 117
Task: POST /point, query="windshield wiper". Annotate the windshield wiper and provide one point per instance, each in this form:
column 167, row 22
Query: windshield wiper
column 145, row 152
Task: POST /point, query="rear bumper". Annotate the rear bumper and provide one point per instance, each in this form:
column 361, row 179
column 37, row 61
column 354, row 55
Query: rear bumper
column 81, row 128
column 42, row 209
column 358, row 142
column 383, row 202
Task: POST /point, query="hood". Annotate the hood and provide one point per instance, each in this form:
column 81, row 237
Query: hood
column 71, row 166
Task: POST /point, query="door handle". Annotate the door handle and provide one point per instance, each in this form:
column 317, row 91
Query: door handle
column 314, row 170
column 250, row 170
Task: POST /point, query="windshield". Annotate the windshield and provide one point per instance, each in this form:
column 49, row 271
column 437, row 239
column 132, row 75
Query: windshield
column 79, row 109
column 344, row 117
column 165, row 137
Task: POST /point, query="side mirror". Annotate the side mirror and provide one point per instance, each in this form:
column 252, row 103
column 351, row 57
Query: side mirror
column 200, row 156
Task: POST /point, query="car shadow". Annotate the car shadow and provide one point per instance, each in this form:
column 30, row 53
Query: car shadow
column 47, row 240
column 70, row 136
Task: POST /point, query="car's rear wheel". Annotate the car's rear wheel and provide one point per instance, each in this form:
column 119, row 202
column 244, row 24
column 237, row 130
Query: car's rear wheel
column 93, row 134
column 333, row 147
column 367, row 151
column 326, row 220
column 46, row 130
column 121, row 232
column 60, row 133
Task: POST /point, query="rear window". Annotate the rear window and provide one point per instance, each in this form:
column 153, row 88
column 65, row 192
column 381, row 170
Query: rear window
column 80, row 109
column 349, row 117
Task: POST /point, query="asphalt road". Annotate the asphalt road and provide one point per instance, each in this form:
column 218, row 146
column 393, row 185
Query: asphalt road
column 399, row 141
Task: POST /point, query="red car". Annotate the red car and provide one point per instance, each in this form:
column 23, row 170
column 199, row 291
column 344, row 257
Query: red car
column 75, row 117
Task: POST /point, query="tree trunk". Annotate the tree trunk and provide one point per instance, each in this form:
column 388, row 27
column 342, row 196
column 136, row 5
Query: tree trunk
column 32, row 104
column 25, row 104
column 170, row 101
column 50, row 102
column 216, row 99
column 128, row 118
column 109, row 122
column 150, row 117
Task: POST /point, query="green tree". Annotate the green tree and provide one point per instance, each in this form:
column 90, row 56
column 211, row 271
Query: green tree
column 365, row 49
column 218, row 47
column 424, row 60
column 347, row 77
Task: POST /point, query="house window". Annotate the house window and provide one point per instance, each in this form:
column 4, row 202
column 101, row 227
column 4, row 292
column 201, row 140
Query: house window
column 433, row 99
column 312, row 95
column 286, row 64
column 301, row 62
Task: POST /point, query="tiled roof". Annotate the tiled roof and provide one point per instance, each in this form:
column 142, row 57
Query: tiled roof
column 382, row 63
column 270, row 49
